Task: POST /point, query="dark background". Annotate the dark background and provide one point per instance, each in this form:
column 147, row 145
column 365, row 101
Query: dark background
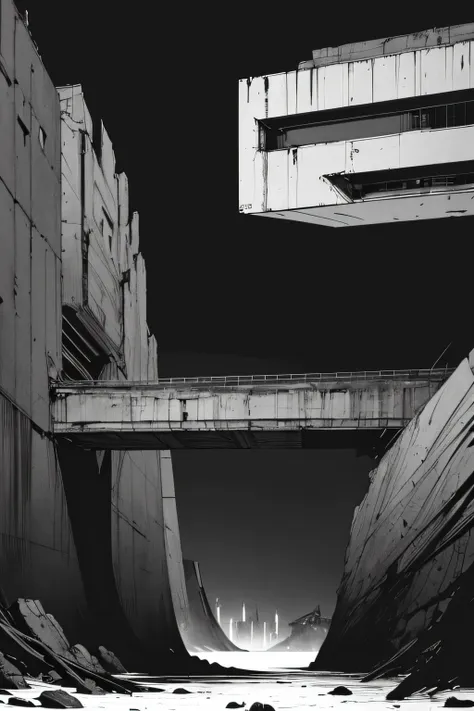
column 234, row 294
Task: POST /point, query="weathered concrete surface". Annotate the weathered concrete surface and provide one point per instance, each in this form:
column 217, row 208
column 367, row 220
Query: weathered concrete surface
column 203, row 632
column 36, row 541
column 151, row 416
column 129, row 547
column 411, row 547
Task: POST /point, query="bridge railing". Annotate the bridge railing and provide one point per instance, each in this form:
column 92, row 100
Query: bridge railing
column 435, row 374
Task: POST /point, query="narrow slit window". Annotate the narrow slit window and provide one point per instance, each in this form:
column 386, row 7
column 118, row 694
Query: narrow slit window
column 42, row 137
column 24, row 128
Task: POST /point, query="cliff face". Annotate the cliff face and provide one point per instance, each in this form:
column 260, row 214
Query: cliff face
column 202, row 633
column 36, row 541
column 410, row 546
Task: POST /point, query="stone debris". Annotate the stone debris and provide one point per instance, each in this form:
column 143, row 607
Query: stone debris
column 87, row 660
column 20, row 702
column 453, row 703
column 182, row 691
column 59, row 699
column 10, row 676
column 235, row 705
column 111, row 662
column 341, row 691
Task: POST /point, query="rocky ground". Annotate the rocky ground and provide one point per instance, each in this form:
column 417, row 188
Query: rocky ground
column 283, row 689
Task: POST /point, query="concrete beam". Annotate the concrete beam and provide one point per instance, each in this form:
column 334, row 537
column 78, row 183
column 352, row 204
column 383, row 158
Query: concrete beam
column 150, row 416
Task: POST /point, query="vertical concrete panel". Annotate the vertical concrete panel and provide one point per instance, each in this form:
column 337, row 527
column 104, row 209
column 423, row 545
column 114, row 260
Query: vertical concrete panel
column 140, row 566
column 22, row 138
column 471, row 62
column 39, row 348
column 335, row 89
column 173, row 543
column 7, row 131
column 304, row 93
column 291, row 90
column 247, row 145
column 406, row 74
column 7, row 34
column 432, row 61
column 385, row 78
column 460, row 58
column 22, row 303
column 71, row 209
column 277, row 98
column 7, row 286
column 360, row 82
column 278, row 180
column 107, row 161
column 321, row 88
column 123, row 218
column 45, row 191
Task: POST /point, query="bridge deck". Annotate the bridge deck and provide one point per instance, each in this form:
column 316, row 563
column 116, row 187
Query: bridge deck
column 238, row 411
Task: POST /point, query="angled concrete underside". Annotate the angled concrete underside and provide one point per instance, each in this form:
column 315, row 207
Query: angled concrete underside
column 411, row 546
column 240, row 416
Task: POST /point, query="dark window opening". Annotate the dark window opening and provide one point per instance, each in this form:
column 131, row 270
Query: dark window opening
column 83, row 359
column 42, row 137
column 24, row 128
column 422, row 178
column 107, row 228
column 368, row 121
column 97, row 136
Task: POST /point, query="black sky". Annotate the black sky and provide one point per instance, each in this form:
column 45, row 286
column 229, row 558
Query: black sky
column 234, row 294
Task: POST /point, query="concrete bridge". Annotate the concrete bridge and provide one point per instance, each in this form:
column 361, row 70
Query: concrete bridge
column 238, row 412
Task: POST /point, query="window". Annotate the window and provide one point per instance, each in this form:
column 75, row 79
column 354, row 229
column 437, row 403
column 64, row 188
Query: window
column 382, row 119
column 107, row 228
column 42, row 137
column 423, row 178
column 24, row 128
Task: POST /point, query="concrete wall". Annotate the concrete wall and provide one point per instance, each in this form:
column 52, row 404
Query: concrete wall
column 290, row 179
column 108, row 288
column 107, row 291
column 36, row 544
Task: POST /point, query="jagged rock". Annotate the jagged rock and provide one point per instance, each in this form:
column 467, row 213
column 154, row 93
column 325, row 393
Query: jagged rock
column 52, row 677
column 59, row 700
column 182, row 691
column 20, row 702
column 10, row 675
column 341, row 691
column 453, row 703
column 411, row 545
column 110, row 661
column 87, row 660
column 234, row 705
column 5, row 692
column 257, row 706
column 30, row 617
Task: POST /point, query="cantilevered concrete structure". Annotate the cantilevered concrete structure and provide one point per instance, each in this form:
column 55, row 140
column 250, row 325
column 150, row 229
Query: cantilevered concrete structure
column 281, row 411
column 366, row 133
